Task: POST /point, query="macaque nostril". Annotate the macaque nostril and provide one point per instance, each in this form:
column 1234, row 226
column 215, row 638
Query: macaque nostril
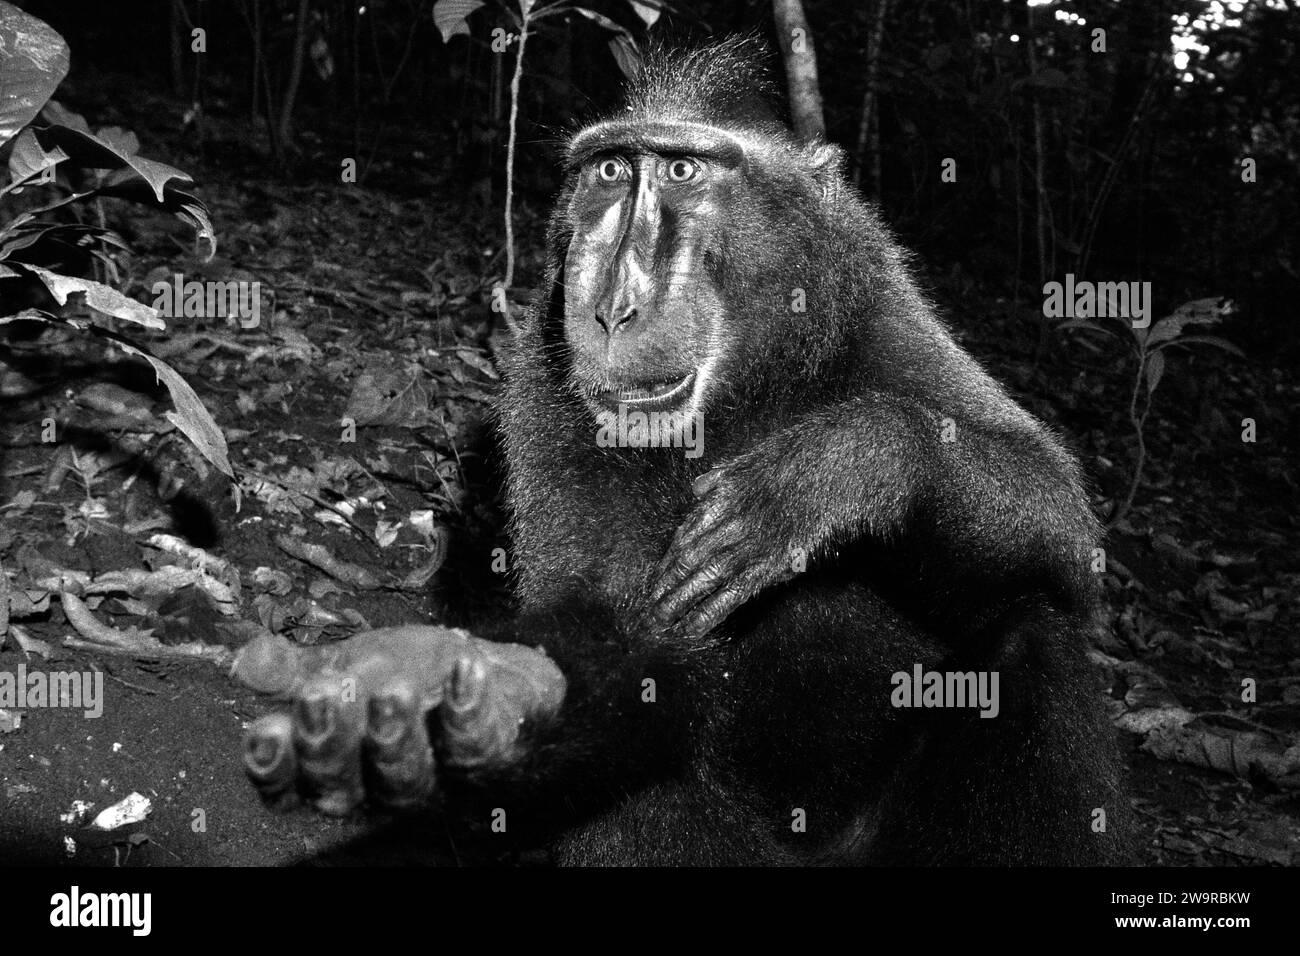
column 621, row 317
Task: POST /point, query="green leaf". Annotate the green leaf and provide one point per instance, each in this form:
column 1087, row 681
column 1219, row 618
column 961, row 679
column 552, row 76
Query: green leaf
column 28, row 160
column 196, row 214
column 648, row 12
column 1211, row 340
column 67, row 233
column 125, row 184
column 1155, row 371
column 56, row 114
column 121, row 140
column 33, row 62
column 99, row 297
column 626, row 55
column 605, row 22
column 191, row 416
column 1085, row 325
column 23, row 235
column 1167, row 328
column 31, row 214
column 97, row 152
column 449, row 17
column 180, row 203
column 1208, row 311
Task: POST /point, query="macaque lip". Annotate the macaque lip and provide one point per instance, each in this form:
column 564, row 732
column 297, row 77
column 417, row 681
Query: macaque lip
column 651, row 396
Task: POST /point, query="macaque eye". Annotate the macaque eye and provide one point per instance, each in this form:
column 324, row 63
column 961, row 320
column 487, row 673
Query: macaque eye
column 681, row 170
column 611, row 170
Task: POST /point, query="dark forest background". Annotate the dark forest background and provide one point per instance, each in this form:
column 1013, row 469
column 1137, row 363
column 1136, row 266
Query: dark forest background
column 1123, row 164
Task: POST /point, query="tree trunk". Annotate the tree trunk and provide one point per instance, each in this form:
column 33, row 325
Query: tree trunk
column 178, row 46
column 800, row 69
column 258, row 65
column 295, row 73
column 1042, row 209
column 869, row 125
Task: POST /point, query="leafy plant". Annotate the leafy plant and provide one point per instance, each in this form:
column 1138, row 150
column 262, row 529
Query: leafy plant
column 52, row 149
column 1146, row 347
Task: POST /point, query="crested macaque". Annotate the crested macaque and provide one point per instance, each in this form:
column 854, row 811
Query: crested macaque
column 757, row 495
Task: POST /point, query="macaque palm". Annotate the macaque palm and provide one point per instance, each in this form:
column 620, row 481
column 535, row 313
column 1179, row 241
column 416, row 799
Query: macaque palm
column 722, row 624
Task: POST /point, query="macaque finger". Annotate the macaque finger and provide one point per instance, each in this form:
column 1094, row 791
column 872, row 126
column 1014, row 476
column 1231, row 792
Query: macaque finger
column 327, row 728
column 707, row 482
column 270, row 760
column 470, row 733
column 713, row 610
column 691, row 591
column 398, row 756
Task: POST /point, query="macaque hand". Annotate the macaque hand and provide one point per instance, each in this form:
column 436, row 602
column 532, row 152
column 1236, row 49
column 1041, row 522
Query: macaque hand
column 730, row 548
column 377, row 717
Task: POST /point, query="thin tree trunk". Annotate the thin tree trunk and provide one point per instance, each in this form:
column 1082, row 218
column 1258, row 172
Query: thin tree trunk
column 406, row 55
column 1136, row 121
column 498, row 98
column 253, row 21
column 1018, row 190
column 257, row 61
column 1040, row 185
column 178, row 45
column 869, row 125
column 356, row 80
column 272, row 125
column 295, row 73
column 800, row 69
column 509, row 279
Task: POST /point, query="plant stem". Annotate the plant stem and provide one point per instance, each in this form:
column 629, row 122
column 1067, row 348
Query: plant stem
column 510, row 166
column 1139, row 462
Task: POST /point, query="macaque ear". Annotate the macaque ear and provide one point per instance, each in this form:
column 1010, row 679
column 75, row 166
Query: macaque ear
column 826, row 163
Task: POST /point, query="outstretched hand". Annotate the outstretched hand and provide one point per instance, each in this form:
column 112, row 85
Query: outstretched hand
column 377, row 717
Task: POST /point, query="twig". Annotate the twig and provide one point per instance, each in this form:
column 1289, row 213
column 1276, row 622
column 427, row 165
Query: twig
column 125, row 683
column 1139, row 424
column 509, row 279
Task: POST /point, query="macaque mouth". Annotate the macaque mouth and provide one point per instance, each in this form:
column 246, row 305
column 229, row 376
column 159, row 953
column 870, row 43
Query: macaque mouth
column 650, row 396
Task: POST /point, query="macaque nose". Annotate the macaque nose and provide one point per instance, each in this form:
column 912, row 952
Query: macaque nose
column 611, row 319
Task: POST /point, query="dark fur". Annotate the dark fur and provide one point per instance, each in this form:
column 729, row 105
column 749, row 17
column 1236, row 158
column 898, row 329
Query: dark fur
column 971, row 555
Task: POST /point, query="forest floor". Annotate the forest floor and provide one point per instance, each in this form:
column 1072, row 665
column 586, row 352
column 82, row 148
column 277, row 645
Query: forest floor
column 375, row 306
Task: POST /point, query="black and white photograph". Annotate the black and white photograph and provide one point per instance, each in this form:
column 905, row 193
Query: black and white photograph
column 532, row 434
